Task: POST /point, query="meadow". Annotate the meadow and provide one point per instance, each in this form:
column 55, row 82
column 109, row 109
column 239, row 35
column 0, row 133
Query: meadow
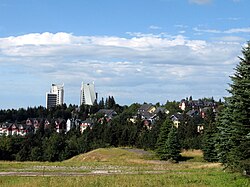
column 121, row 167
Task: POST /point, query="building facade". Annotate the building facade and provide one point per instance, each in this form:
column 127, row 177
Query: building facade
column 88, row 94
column 55, row 96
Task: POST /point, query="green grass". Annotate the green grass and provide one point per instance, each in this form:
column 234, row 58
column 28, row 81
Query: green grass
column 208, row 178
column 132, row 169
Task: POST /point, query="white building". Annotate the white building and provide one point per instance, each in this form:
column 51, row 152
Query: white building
column 88, row 95
column 55, row 96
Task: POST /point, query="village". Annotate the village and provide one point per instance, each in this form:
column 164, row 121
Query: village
column 148, row 114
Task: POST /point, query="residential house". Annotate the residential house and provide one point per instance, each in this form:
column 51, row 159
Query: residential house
column 60, row 125
column 85, row 124
column 146, row 109
column 71, row 123
column 15, row 129
column 149, row 114
column 177, row 119
column 195, row 104
column 200, row 128
column 193, row 113
column 5, row 129
column 108, row 114
column 24, row 129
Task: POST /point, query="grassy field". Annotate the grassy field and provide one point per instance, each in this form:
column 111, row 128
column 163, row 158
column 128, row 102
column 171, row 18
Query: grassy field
column 119, row 167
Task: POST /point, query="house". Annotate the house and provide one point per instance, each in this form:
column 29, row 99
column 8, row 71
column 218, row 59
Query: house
column 147, row 124
column 149, row 108
column 193, row 113
column 60, row 125
column 177, row 119
column 5, row 129
column 85, row 124
column 15, row 129
column 200, row 128
column 108, row 114
column 183, row 105
column 46, row 124
column 162, row 110
column 146, row 112
column 24, row 129
column 71, row 123
column 196, row 104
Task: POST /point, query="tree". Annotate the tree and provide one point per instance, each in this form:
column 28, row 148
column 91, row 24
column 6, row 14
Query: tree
column 187, row 132
column 224, row 132
column 209, row 138
column 161, row 149
column 238, row 107
column 173, row 146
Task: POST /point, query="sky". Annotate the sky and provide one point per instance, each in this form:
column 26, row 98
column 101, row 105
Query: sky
column 135, row 50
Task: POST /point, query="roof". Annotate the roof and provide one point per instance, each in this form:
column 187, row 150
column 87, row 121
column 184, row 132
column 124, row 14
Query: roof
column 88, row 120
column 160, row 109
column 108, row 112
column 192, row 112
column 177, row 116
column 145, row 107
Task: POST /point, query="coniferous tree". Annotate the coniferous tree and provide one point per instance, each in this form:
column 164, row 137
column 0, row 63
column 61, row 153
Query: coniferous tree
column 161, row 149
column 173, row 146
column 239, row 110
column 209, row 138
column 168, row 146
column 224, row 132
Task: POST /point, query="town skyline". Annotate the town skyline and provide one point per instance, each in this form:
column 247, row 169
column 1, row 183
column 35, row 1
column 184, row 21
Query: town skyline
column 137, row 51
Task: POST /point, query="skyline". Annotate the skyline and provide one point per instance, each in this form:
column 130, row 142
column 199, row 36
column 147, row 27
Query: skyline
column 137, row 51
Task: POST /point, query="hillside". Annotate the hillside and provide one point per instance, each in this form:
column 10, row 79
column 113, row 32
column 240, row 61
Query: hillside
column 112, row 155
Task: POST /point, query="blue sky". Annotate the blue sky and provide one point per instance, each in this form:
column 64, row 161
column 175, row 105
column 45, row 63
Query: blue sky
column 135, row 50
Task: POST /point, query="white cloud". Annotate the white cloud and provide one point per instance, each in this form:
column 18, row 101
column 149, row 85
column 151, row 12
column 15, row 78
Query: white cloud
column 154, row 27
column 144, row 67
column 38, row 39
column 229, row 31
column 238, row 30
column 207, row 30
column 200, row 2
column 230, row 18
column 230, row 39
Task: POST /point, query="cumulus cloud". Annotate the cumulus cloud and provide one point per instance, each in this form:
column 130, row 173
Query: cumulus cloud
column 137, row 68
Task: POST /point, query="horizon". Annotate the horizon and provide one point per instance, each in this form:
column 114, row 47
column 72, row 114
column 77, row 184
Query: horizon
column 137, row 51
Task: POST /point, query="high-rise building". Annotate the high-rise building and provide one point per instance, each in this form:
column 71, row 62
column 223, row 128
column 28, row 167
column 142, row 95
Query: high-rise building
column 55, row 96
column 88, row 95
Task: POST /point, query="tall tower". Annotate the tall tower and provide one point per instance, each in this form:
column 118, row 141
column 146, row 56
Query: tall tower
column 88, row 95
column 55, row 96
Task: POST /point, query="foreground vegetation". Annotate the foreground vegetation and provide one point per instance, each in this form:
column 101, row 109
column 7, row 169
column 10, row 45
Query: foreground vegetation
column 120, row 167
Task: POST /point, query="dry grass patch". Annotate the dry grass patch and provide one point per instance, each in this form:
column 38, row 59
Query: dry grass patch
column 114, row 155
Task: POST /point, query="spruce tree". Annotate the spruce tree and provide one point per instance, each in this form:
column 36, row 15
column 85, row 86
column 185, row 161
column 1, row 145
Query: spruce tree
column 238, row 129
column 209, row 138
column 173, row 146
column 224, row 132
column 161, row 149
column 168, row 146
